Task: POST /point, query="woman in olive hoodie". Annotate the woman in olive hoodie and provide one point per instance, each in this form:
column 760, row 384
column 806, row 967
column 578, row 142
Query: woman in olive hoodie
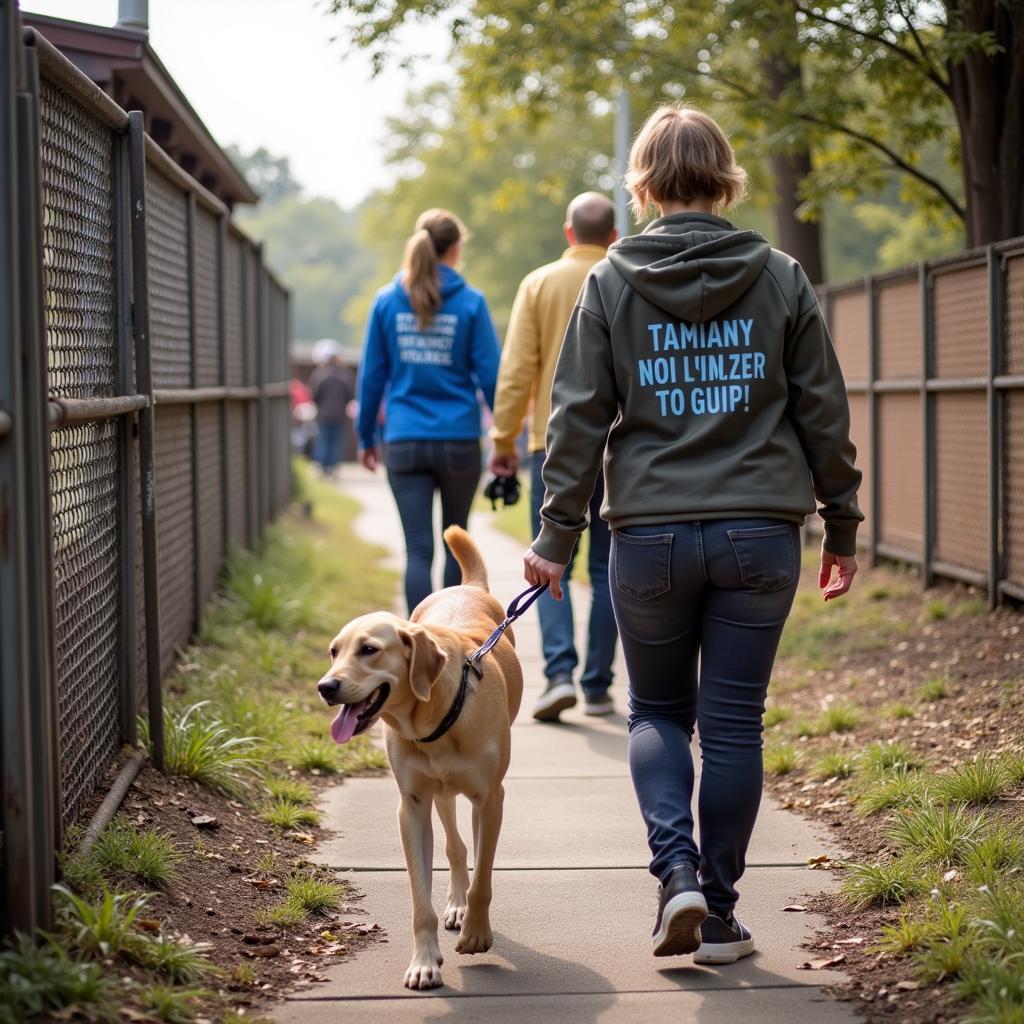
column 698, row 367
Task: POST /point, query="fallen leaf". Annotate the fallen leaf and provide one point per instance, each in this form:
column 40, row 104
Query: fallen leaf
column 268, row 951
column 908, row 986
column 858, row 941
column 204, row 821
column 794, row 908
column 821, row 965
column 303, row 837
column 822, row 858
column 262, row 883
column 148, row 924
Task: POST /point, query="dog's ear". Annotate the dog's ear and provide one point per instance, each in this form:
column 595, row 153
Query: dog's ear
column 426, row 660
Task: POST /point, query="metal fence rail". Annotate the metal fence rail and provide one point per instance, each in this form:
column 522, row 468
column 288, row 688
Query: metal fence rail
column 144, row 422
column 934, row 361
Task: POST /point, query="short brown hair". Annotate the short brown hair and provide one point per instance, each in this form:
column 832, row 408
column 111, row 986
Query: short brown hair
column 681, row 154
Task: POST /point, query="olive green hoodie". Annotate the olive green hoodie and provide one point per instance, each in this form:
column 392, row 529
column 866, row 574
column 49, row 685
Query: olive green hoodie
column 697, row 362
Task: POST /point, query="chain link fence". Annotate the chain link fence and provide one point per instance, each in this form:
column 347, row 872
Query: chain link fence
column 934, row 361
column 144, row 421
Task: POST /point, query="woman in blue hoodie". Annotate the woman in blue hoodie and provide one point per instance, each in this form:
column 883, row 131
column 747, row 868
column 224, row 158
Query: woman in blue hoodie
column 430, row 346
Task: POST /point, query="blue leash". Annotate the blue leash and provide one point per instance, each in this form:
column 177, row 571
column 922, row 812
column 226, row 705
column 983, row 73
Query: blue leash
column 519, row 605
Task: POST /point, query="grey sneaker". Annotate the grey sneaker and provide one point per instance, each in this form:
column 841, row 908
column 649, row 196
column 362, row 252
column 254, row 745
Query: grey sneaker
column 723, row 941
column 559, row 696
column 681, row 910
column 598, row 704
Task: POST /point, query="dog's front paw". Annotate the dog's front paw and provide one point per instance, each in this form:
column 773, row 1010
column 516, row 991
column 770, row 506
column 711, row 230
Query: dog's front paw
column 454, row 914
column 424, row 972
column 475, row 937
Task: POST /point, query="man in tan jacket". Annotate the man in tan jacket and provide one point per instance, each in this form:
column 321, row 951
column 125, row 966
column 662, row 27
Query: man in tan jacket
column 540, row 315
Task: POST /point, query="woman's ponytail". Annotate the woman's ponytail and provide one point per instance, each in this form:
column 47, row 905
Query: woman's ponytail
column 436, row 232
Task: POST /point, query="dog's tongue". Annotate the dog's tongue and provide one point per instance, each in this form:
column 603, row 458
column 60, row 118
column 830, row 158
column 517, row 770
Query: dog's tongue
column 343, row 728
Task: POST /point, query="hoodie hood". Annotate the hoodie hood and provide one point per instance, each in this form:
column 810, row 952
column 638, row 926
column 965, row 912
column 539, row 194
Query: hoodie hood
column 692, row 265
column 451, row 281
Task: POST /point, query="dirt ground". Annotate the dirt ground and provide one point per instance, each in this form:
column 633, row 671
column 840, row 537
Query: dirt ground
column 896, row 639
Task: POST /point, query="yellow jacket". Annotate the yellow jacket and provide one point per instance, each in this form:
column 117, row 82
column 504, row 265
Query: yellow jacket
column 540, row 315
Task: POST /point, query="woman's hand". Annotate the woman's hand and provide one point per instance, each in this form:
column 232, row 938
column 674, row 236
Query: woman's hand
column 847, row 566
column 370, row 458
column 540, row 570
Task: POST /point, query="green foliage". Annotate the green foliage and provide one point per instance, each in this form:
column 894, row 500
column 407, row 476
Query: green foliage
column 201, row 748
column 261, row 602
column 780, row 758
column 1012, row 763
column 149, row 856
column 177, row 961
column 976, row 782
column 288, row 914
column 999, row 851
column 996, row 987
column 888, row 883
column 38, row 979
column 102, row 928
column 839, row 718
column 884, row 791
column 934, row 689
column 319, row 755
column 941, row 834
column 936, row 610
column 897, row 711
column 837, row 764
column 909, row 933
column 171, row 1004
column 293, row 790
column 884, row 757
column 774, row 715
column 315, row 895
column 284, row 814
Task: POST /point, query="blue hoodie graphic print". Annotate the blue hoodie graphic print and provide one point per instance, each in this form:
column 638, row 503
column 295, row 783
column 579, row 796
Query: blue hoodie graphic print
column 431, row 374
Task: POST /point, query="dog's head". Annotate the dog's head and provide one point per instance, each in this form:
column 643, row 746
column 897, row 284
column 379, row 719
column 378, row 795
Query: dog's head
column 378, row 661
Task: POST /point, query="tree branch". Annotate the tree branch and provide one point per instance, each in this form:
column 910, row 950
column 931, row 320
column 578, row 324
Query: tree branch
column 926, row 66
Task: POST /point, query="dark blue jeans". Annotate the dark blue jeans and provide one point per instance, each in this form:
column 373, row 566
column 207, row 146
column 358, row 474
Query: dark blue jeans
column 701, row 607
column 327, row 446
column 557, row 627
column 416, row 469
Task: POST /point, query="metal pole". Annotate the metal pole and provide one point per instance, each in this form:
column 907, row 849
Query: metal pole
column 190, row 284
column 621, row 103
column 928, row 425
column 222, row 342
column 875, row 511
column 38, row 509
column 18, row 901
column 147, row 470
column 996, row 267
column 262, row 341
column 129, row 669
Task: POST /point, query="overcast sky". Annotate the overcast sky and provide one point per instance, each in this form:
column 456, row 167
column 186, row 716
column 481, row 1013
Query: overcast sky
column 265, row 72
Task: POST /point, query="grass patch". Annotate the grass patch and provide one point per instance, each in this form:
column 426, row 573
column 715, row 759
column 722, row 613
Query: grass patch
column 894, row 789
column 938, row 833
column 936, row 610
column 148, row 856
column 197, row 746
column 934, row 689
column 780, row 758
column 886, row 884
column 999, row 851
column 909, row 933
column 101, row 928
column 837, row 764
column 284, row 915
column 838, row 718
column 776, row 715
column 897, row 711
column 1012, row 764
column 281, row 787
column 285, row 815
column 316, row 895
column 882, row 758
column 975, row 782
column 170, row 1004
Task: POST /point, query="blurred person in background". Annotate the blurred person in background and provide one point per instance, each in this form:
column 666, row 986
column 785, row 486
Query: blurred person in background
column 430, row 346
column 333, row 389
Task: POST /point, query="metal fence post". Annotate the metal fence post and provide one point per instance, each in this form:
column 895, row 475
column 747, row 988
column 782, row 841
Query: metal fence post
column 128, row 671
column 262, row 343
column 928, row 417
column 190, row 284
column 144, row 386
column 222, row 345
column 996, row 268
column 871, row 289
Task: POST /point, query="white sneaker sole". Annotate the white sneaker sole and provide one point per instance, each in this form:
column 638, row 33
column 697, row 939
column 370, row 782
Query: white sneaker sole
column 598, row 710
column 680, row 925
column 723, row 952
column 553, row 702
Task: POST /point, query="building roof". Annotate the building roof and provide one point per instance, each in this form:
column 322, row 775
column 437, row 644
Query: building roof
column 122, row 63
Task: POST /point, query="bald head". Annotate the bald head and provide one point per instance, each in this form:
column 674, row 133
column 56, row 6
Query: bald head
column 591, row 216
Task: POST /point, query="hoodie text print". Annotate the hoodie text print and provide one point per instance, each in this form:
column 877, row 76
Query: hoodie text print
column 697, row 366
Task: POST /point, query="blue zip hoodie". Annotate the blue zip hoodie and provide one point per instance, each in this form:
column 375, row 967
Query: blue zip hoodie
column 431, row 374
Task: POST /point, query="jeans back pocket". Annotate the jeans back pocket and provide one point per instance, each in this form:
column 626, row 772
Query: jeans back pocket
column 643, row 564
column 766, row 555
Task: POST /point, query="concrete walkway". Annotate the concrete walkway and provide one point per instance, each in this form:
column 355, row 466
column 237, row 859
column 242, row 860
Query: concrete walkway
column 573, row 901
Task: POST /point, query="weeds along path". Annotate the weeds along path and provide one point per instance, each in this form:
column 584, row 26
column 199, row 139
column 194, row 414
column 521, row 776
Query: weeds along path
column 199, row 900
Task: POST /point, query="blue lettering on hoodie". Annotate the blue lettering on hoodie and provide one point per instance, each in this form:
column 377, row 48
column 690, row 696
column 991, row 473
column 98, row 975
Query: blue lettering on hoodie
column 430, row 374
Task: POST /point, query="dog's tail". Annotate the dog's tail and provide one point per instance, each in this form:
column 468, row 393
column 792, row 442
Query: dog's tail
column 467, row 554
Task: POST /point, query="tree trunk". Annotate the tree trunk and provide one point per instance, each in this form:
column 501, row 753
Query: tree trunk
column 800, row 238
column 988, row 97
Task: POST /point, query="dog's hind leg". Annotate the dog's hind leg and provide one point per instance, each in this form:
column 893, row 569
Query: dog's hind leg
column 455, row 851
column 418, row 840
column 475, row 936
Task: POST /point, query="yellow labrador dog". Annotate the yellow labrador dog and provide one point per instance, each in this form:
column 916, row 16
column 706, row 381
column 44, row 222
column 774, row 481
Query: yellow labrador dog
column 407, row 673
